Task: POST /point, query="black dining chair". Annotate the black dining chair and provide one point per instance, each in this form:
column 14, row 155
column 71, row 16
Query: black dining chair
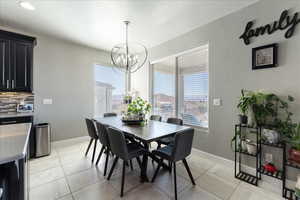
column 124, row 151
column 155, row 118
column 111, row 114
column 103, row 138
column 93, row 136
column 179, row 151
column 169, row 140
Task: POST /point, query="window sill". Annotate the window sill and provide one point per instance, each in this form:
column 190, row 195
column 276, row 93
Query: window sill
column 199, row 128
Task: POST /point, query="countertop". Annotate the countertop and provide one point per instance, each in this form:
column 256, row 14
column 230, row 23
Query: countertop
column 13, row 141
column 16, row 114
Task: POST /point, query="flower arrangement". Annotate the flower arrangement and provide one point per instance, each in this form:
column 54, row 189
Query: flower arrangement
column 137, row 109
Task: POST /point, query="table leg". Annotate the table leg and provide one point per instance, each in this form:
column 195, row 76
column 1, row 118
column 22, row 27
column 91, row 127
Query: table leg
column 144, row 177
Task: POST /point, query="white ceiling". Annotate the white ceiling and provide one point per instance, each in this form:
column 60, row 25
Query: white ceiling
column 99, row 24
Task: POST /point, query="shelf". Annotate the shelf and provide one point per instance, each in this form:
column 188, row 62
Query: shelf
column 277, row 174
column 248, row 178
column 291, row 164
column 249, row 154
column 289, row 194
column 278, row 145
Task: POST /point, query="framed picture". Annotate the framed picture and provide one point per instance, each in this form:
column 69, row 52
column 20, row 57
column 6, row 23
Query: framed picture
column 264, row 56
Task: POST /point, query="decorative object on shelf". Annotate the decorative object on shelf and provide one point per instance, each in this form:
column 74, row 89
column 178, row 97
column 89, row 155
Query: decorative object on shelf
column 271, row 136
column 285, row 22
column 136, row 111
column 264, row 56
column 129, row 57
column 251, row 147
column 294, row 140
column 270, row 167
column 297, row 188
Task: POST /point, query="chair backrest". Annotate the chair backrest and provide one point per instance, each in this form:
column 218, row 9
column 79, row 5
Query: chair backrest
column 155, row 117
column 118, row 143
column 183, row 144
column 173, row 120
column 91, row 128
column 102, row 134
column 110, row 114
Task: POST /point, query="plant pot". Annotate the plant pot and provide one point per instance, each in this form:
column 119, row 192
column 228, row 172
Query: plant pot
column 294, row 155
column 243, row 119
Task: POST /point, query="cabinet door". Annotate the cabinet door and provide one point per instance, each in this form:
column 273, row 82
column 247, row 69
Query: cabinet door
column 4, row 64
column 21, row 72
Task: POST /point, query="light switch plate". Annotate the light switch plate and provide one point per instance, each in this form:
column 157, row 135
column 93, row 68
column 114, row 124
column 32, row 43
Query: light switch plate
column 217, row 102
column 47, row 101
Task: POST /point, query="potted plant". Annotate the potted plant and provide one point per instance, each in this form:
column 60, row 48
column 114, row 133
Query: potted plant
column 137, row 110
column 244, row 105
column 127, row 99
column 294, row 140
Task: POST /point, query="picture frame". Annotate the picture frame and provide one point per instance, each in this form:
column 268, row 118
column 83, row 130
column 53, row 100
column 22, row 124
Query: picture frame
column 264, row 56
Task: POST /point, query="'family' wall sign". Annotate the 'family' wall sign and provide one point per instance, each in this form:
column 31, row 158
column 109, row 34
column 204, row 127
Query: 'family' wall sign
column 285, row 22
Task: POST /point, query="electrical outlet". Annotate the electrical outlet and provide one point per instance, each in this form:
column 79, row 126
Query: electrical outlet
column 269, row 157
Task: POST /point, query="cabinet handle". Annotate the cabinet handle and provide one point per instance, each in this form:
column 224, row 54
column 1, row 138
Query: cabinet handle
column 9, row 122
column 12, row 84
column 7, row 84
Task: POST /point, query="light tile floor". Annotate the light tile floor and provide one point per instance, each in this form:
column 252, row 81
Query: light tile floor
column 68, row 175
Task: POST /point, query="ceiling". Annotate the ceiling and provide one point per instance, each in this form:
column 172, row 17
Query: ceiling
column 98, row 24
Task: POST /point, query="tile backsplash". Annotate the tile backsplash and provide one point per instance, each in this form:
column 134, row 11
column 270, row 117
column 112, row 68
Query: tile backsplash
column 10, row 100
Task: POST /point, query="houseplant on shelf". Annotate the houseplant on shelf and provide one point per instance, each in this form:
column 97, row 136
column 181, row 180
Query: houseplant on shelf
column 294, row 141
column 244, row 105
column 136, row 111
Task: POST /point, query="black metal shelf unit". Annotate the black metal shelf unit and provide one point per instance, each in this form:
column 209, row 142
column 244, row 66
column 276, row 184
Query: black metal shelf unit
column 238, row 172
column 287, row 192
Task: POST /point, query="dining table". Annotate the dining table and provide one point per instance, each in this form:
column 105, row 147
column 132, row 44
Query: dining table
column 146, row 132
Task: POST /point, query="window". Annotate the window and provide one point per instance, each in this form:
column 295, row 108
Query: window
column 109, row 90
column 193, row 88
column 164, row 88
column 180, row 87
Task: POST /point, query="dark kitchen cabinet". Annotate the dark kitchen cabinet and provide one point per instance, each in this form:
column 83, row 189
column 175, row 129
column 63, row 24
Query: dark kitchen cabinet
column 16, row 62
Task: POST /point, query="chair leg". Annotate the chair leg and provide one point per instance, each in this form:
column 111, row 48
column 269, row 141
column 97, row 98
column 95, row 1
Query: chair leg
column 106, row 162
column 94, row 152
column 139, row 162
column 188, row 171
column 170, row 166
column 123, row 178
column 175, row 181
column 100, row 154
column 131, row 166
column 157, row 170
column 112, row 168
column 87, row 151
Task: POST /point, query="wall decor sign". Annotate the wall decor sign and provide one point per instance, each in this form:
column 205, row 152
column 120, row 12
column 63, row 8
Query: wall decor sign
column 285, row 21
column 264, row 56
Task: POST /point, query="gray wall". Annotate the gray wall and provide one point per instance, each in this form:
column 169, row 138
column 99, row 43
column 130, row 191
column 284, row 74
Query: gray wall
column 63, row 71
column 230, row 68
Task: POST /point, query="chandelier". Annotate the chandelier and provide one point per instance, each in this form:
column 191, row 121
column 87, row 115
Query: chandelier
column 129, row 57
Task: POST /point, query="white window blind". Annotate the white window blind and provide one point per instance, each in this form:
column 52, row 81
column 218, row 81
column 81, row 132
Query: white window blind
column 193, row 88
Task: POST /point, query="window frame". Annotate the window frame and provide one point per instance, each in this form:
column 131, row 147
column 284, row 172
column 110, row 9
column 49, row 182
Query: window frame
column 127, row 79
column 177, row 90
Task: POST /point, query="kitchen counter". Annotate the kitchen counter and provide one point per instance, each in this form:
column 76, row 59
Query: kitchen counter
column 16, row 114
column 13, row 141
